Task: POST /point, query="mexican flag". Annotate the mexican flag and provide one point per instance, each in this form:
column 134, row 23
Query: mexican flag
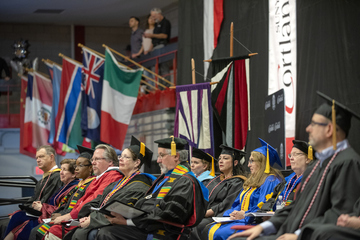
column 120, row 91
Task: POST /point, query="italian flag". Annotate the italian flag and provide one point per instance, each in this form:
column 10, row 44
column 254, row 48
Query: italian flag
column 120, row 91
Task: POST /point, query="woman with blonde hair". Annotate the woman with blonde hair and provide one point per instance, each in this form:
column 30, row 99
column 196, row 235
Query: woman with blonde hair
column 257, row 189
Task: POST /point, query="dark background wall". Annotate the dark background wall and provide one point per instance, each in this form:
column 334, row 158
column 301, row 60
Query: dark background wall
column 328, row 54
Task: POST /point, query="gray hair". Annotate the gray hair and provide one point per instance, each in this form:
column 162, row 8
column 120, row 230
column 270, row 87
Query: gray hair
column 157, row 10
column 183, row 154
column 109, row 153
column 49, row 149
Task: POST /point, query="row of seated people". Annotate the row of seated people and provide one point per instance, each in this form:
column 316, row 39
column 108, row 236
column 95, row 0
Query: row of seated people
column 133, row 185
column 232, row 194
column 172, row 202
column 177, row 198
column 327, row 203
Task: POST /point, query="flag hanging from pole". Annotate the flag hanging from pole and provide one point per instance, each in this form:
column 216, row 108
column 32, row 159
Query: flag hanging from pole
column 93, row 75
column 193, row 120
column 230, row 101
column 41, row 108
column 119, row 96
column 68, row 117
column 26, row 147
column 213, row 17
column 55, row 75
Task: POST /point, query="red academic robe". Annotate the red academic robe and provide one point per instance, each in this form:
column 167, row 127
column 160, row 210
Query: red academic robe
column 95, row 188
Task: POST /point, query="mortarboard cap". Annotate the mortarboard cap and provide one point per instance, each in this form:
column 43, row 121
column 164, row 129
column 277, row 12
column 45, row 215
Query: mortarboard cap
column 270, row 153
column 85, row 149
column 197, row 153
column 236, row 153
column 304, row 147
column 172, row 143
column 142, row 152
column 338, row 113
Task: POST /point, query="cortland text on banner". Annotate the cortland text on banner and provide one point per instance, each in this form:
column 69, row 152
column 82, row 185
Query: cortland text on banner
column 282, row 60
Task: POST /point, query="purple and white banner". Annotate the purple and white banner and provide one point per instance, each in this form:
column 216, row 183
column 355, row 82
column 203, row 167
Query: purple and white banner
column 282, row 60
column 193, row 119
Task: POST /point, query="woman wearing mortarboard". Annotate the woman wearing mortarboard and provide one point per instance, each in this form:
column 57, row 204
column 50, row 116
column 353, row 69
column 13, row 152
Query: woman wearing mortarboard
column 300, row 157
column 224, row 188
column 257, row 189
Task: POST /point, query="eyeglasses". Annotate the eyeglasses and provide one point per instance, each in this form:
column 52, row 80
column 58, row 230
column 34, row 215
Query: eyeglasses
column 161, row 156
column 97, row 159
column 313, row 123
column 81, row 165
column 124, row 157
column 295, row 154
column 251, row 161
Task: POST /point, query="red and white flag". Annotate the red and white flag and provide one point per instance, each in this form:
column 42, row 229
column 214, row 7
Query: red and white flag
column 41, row 108
column 213, row 17
column 26, row 147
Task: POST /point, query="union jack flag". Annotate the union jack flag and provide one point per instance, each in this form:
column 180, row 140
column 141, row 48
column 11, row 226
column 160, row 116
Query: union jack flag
column 93, row 75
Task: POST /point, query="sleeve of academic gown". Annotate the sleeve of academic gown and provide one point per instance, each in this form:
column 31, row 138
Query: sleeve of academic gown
column 227, row 196
column 106, row 179
column 176, row 206
column 343, row 193
column 85, row 210
column 265, row 192
column 128, row 195
column 52, row 185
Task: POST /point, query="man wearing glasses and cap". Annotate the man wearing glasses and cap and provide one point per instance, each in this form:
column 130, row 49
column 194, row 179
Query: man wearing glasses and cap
column 175, row 201
column 329, row 185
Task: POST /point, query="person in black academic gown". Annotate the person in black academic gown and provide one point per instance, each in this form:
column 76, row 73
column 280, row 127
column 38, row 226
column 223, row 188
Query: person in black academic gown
column 329, row 185
column 50, row 182
column 347, row 227
column 224, row 188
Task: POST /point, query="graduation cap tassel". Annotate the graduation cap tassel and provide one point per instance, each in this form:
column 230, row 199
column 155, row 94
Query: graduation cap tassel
column 142, row 149
column 267, row 167
column 333, row 118
column 173, row 147
column 212, row 173
column 310, row 153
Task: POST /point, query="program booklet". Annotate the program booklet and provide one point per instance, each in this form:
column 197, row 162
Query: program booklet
column 259, row 214
column 121, row 208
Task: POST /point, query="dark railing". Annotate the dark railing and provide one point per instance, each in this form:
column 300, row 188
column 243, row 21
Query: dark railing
column 7, row 181
column 158, row 56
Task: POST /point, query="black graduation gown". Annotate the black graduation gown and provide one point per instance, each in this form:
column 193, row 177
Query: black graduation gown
column 221, row 197
column 330, row 231
column 45, row 188
column 336, row 194
column 129, row 194
column 183, row 204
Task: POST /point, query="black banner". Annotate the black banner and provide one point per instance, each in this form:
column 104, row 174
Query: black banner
column 275, row 124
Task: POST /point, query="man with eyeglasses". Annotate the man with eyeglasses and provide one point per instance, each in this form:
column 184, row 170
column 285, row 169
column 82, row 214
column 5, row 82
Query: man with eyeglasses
column 50, row 182
column 329, row 185
column 175, row 202
column 106, row 168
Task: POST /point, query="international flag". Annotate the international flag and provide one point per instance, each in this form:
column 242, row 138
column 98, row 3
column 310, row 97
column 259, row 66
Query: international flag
column 230, row 100
column 193, row 120
column 68, row 118
column 56, row 80
column 26, row 147
column 41, row 109
column 55, row 75
column 120, row 91
column 93, row 75
column 213, row 17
